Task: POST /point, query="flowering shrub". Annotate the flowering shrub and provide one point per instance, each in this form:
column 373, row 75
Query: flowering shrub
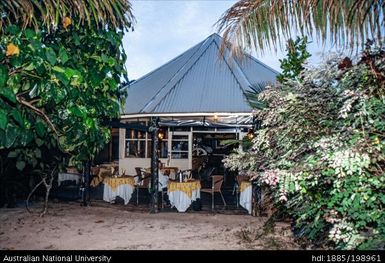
column 321, row 152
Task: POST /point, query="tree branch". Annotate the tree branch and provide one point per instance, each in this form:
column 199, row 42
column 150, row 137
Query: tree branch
column 38, row 112
column 29, row 196
column 34, row 101
column 22, row 93
column 48, row 187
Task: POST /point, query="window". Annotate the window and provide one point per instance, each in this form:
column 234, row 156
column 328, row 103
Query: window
column 138, row 144
column 179, row 146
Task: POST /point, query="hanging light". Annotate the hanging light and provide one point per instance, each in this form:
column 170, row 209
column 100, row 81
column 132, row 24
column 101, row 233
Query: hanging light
column 250, row 134
column 161, row 134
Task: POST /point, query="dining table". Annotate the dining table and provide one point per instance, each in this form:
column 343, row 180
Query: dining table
column 118, row 186
column 69, row 177
column 182, row 194
column 245, row 198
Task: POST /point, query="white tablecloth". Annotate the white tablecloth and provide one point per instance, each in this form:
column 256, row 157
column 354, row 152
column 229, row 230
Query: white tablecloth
column 245, row 198
column 163, row 181
column 124, row 191
column 68, row 177
column 181, row 201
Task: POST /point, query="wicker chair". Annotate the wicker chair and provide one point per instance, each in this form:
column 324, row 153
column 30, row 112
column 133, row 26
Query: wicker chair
column 217, row 181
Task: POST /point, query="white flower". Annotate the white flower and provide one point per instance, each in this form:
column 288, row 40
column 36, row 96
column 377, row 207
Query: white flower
column 283, row 198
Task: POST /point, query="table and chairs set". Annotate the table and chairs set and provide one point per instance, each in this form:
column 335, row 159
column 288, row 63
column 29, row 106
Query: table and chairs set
column 181, row 193
column 181, row 189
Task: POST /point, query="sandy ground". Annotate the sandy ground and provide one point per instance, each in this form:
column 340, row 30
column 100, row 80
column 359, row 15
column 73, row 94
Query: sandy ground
column 104, row 226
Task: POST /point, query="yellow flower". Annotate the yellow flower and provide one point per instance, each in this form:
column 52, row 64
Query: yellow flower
column 376, row 141
column 12, row 50
column 67, row 22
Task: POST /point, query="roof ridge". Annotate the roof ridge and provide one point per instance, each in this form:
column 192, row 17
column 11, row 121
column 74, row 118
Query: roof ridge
column 226, row 57
column 261, row 63
column 191, row 61
column 190, row 68
column 246, row 54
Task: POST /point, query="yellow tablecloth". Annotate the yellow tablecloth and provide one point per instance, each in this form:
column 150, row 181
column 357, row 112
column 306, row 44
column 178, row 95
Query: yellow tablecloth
column 244, row 185
column 186, row 187
column 101, row 173
column 115, row 182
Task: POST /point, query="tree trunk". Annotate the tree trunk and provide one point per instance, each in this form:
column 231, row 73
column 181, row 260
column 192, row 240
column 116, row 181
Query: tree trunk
column 50, row 177
column 86, row 186
column 48, row 190
column 154, row 166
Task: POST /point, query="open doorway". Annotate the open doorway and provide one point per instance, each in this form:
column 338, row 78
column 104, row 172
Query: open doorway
column 209, row 149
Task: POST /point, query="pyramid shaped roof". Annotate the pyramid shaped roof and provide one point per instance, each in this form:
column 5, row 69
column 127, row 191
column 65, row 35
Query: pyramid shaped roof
column 199, row 80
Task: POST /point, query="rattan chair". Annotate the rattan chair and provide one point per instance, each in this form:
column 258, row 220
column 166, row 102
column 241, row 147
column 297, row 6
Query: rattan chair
column 217, row 181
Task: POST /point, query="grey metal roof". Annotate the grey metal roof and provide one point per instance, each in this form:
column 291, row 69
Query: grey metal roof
column 199, row 80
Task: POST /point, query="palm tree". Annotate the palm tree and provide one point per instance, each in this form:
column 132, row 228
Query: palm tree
column 116, row 14
column 269, row 23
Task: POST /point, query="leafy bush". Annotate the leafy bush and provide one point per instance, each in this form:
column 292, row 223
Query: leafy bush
column 321, row 151
column 297, row 54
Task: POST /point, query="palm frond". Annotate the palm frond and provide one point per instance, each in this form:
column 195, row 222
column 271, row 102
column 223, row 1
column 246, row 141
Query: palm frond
column 252, row 95
column 116, row 14
column 262, row 24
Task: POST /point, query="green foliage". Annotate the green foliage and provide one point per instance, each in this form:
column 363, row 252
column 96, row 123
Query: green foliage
column 297, row 54
column 56, row 90
column 251, row 95
column 321, row 152
column 267, row 24
column 33, row 14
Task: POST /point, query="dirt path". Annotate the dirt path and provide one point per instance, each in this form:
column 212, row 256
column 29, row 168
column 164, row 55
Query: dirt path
column 70, row 226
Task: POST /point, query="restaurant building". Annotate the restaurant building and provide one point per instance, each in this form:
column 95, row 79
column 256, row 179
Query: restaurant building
column 200, row 100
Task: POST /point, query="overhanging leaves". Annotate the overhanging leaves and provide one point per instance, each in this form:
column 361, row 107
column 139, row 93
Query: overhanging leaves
column 116, row 14
column 268, row 24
